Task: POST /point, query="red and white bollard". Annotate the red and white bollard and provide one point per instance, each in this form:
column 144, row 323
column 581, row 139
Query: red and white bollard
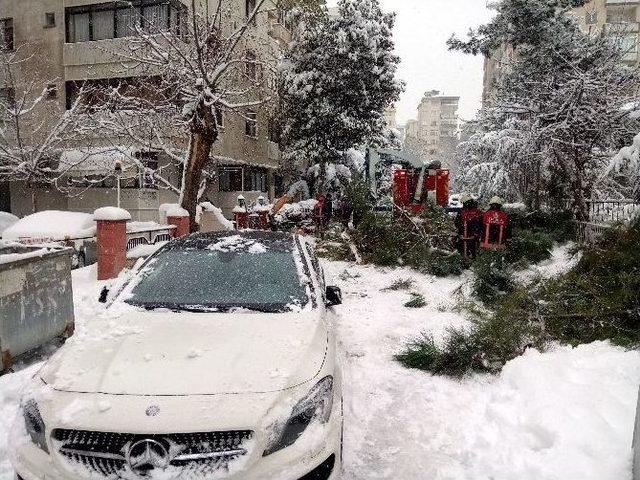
column 240, row 214
column 112, row 241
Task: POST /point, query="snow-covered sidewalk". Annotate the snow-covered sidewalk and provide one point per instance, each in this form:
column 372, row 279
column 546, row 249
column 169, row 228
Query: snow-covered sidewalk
column 565, row 415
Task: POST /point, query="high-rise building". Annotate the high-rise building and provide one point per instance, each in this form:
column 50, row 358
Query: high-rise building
column 436, row 129
column 390, row 117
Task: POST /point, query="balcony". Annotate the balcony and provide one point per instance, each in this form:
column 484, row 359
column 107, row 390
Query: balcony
column 279, row 32
column 99, row 59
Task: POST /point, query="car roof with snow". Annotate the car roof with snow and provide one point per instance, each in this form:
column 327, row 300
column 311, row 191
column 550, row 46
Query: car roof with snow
column 233, row 241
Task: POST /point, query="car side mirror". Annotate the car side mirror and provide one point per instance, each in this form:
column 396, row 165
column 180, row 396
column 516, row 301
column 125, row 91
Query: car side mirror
column 104, row 294
column 334, row 296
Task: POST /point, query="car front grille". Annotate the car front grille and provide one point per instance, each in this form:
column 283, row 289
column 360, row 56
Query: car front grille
column 190, row 455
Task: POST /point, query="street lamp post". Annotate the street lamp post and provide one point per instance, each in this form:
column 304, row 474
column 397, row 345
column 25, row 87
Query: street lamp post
column 118, row 172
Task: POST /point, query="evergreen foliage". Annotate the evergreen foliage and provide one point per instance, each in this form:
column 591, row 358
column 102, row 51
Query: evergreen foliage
column 424, row 242
column 598, row 299
column 338, row 78
column 417, row 301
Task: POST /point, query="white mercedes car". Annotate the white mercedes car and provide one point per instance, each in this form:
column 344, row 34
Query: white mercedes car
column 216, row 359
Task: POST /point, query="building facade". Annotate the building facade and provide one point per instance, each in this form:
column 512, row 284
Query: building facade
column 67, row 43
column 435, row 132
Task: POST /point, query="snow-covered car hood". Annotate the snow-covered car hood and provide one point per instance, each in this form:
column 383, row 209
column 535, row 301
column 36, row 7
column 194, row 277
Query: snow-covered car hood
column 152, row 353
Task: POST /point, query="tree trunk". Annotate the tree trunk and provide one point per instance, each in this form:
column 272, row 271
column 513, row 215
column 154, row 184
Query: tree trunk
column 203, row 136
column 580, row 208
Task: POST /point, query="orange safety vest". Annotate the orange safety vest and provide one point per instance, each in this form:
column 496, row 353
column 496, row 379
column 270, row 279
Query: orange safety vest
column 495, row 226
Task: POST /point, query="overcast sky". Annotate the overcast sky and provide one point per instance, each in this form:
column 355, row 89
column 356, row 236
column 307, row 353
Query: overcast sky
column 422, row 29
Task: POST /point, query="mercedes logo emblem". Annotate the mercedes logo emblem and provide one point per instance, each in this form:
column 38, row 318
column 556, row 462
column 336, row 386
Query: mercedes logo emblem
column 145, row 456
column 152, row 411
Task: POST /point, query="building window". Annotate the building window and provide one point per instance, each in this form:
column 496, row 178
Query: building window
column 116, row 20
column 49, row 20
column 251, row 124
column 6, row 34
column 591, row 17
column 52, row 91
column 7, row 100
column 274, row 130
column 219, row 118
column 251, row 65
column 628, row 43
column 250, row 6
column 230, row 179
column 621, row 15
column 256, row 180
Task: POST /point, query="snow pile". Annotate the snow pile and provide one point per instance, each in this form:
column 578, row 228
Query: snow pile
column 51, row 225
column 133, row 227
column 211, row 218
column 6, row 220
column 562, row 260
column 13, row 252
column 112, row 214
column 237, row 243
column 176, row 210
column 562, row 415
column 143, row 251
column 299, row 209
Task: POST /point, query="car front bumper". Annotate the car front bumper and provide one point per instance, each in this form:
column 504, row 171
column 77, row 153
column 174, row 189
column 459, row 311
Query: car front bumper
column 315, row 456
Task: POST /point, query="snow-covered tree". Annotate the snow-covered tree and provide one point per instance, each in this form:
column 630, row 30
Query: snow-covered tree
column 338, row 78
column 33, row 130
column 559, row 105
column 206, row 64
column 620, row 178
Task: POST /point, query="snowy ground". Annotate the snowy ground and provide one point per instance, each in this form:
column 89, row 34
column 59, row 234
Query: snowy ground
column 566, row 414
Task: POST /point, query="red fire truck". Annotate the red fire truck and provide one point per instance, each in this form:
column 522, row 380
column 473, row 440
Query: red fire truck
column 414, row 183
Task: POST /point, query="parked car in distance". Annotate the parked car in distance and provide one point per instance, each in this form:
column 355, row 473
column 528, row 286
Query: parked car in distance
column 6, row 220
column 219, row 361
column 77, row 230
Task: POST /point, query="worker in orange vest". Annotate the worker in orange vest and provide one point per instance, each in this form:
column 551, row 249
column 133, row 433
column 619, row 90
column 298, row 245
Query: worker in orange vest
column 469, row 223
column 496, row 226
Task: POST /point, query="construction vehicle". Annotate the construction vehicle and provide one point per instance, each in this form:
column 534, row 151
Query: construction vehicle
column 414, row 183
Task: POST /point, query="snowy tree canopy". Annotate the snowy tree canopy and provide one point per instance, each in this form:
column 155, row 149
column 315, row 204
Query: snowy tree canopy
column 338, row 79
column 557, row 108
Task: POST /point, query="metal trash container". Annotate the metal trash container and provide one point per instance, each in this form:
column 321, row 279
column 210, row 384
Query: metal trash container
column 36, row 298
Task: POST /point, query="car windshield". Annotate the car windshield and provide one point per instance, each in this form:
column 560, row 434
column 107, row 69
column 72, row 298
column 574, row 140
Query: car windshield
column 227, row 274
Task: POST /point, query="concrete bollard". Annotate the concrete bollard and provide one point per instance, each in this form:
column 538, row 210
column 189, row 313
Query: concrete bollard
column 112, row 241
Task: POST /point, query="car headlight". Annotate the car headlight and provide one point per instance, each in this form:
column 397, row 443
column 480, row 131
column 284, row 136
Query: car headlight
column 317, row 404
column 34, row 424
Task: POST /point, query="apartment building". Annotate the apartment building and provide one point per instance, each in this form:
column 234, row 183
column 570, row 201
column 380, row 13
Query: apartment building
column 620, row 18
column 435, row 132
column 390, row 117
column 67, row 43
